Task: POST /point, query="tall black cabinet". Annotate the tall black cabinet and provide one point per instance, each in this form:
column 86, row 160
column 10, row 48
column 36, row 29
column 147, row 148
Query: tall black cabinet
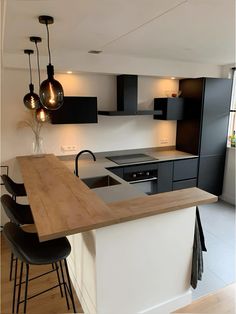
column 203, row 132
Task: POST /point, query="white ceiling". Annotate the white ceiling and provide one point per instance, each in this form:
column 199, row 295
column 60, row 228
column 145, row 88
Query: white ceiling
column 200, row 31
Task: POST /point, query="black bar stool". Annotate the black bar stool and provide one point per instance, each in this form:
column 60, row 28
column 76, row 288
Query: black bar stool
column 17, row 213
column 29, row 251
column 15, row 189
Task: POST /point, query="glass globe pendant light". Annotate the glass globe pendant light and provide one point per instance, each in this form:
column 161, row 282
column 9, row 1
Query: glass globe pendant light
column 31, row 100
column 41, row 114
column 51, row 92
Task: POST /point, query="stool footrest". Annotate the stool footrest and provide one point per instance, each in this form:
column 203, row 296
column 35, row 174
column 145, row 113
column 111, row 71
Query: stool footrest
column 48, row 272
column 35, row 295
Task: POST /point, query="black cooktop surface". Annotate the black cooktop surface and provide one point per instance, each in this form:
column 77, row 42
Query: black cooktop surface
column 129, row 159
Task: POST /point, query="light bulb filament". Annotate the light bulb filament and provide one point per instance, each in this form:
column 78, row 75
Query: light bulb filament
column 42, row 116
column 32, row 102
column 52, row 96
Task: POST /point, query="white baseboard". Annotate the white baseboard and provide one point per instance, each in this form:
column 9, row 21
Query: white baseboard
column 170, row 305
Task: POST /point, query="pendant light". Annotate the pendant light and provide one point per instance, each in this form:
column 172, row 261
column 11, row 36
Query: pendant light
column 41, row 114
column 31, row 100
column 51, row 92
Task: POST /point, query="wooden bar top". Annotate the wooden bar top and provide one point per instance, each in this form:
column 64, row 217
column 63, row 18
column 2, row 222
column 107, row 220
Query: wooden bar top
column 62, row 204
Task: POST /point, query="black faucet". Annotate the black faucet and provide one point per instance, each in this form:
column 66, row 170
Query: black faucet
column 77, row 158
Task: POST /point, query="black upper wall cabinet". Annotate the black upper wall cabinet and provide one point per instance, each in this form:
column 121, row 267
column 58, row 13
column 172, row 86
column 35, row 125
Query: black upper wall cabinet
column 170, row 108
column 76, row 110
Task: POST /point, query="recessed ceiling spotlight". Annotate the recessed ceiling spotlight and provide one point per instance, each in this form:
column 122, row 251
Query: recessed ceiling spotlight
column 95, row 52
column 172, row 77
column 69, row 72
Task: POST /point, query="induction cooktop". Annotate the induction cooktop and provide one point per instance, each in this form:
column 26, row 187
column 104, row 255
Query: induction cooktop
column 130, row 159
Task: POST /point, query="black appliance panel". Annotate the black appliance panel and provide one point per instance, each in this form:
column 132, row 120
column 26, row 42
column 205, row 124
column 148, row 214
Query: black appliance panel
column 76, row 110
column 144, row 177
column 130, row 159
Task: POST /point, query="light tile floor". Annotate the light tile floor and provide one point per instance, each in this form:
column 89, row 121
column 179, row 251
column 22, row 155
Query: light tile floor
column 218, row 222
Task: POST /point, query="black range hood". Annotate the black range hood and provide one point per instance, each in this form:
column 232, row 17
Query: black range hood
column 127, row 98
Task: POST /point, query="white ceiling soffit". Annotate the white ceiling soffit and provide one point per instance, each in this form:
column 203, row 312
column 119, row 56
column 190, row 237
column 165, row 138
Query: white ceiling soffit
column 186, row 30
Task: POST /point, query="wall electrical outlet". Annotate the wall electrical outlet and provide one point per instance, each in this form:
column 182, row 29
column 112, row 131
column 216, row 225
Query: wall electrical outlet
column 68, row 148
column 164, row 141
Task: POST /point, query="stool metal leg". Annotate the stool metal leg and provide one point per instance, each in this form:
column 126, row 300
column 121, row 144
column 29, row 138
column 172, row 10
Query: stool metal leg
column 69, row 283
column 26, row 286
column 59, row 280
column 11, row 266
column 19, row 288
column 14, row 289
column 64, row 284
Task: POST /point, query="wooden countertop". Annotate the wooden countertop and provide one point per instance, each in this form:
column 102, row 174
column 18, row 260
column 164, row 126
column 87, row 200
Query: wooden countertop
column 62, row 204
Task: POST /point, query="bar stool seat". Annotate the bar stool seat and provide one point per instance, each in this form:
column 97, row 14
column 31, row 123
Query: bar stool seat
column 27, row 248
column 17, row 213
column 15, row 189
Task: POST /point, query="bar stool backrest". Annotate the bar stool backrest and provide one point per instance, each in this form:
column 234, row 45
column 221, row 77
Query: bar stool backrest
column 16, row 239
column 15, row 189
column 10, row 208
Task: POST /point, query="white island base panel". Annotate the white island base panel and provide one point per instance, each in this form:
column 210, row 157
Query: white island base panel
column 136, row 267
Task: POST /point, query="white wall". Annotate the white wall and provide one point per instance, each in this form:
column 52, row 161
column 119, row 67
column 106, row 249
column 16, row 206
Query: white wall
column 111, row 133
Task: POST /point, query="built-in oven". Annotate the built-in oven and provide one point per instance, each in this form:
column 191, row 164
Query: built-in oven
column 144, row 177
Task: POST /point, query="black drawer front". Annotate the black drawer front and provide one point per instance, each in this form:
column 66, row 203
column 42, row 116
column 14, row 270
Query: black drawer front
column 178, row 185
column 185, row 169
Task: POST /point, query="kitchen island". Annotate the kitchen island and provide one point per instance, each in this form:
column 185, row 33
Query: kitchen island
column 129, row 256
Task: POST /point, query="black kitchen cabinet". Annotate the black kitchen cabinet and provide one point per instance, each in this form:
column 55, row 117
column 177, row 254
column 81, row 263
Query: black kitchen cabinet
column 185, row 173
column 204, row 130
column 215, row 116
column 75, row 110
column 160, row 177
column 184, row 184
column 206, row 106
column 185, row 169
column 211, row 173
column 165, row 175
column 170, row 108
column 188, row 136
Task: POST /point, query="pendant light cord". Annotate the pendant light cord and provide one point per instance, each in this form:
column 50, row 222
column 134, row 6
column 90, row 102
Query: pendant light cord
column 37, row 50
column 30, row 70
column 49, row 52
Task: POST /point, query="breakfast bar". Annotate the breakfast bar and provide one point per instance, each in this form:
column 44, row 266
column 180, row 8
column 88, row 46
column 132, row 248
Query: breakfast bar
column 128, row 256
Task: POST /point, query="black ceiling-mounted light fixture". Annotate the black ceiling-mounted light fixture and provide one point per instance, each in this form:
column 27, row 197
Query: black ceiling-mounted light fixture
column 51, row 92
column 31, row 100
column 41, row 113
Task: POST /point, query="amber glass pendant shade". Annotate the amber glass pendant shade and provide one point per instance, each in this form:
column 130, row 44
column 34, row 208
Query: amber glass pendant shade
column 31, row 100
column 51, row 91
column 42, row 115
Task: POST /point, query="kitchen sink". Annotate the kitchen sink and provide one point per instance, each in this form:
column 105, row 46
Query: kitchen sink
column 99, row 182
